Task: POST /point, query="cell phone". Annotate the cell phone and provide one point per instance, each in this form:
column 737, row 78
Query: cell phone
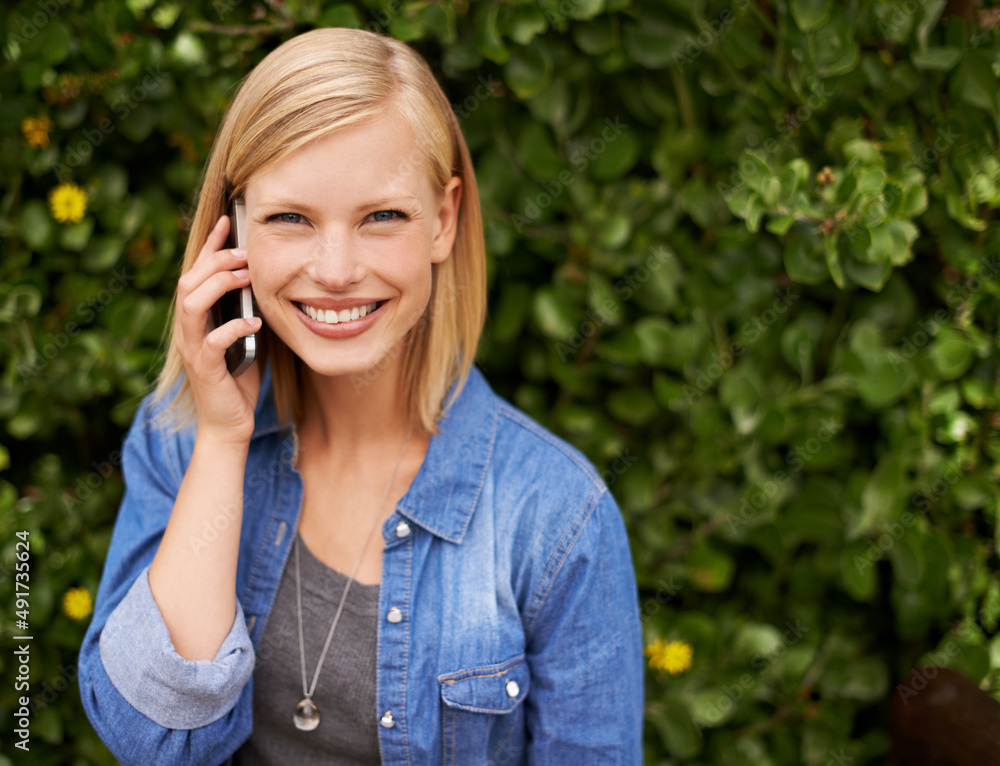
column 237, row 304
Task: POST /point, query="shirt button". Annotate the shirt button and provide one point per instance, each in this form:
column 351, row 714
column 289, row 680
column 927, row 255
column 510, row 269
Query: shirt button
column 402, row 529
column 394, row 615
column 386, row 720
column 512, row 689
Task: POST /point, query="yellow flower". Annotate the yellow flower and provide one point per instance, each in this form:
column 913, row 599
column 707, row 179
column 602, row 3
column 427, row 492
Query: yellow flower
column 77, row 603
column 671, row 656
column 36, row 131
column 68, row 203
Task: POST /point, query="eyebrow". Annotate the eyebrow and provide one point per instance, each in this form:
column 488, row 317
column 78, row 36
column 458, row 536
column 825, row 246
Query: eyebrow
column 307, row 208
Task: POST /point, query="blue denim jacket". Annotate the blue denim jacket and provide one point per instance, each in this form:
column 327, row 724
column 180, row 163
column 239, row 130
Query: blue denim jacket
column 507, row 558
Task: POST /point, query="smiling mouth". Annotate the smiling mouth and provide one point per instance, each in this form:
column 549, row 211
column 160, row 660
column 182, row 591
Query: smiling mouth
column 339, row 317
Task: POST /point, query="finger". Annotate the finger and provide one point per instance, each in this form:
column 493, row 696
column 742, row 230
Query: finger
column 216, row 237
column 209, row 259
column 207, row 264
column 196, row 304
column 221, row 338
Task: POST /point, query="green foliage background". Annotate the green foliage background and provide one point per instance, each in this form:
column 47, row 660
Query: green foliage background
column 789, row 374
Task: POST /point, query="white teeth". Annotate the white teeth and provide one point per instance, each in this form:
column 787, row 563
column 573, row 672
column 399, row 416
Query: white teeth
column 335, row 317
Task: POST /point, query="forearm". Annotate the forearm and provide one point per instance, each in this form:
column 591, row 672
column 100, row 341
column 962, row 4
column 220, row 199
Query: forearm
column 193, row 574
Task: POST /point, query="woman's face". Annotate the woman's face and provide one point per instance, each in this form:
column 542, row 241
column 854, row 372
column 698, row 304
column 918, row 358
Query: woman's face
column 341, row 235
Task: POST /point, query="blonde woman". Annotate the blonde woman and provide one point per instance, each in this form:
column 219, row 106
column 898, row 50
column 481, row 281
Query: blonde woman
column 355, row 552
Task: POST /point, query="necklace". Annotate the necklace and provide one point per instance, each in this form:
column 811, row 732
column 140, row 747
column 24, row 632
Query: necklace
column 307, row 712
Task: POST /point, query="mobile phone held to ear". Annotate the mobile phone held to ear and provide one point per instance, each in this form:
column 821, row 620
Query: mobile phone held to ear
column 237, row 304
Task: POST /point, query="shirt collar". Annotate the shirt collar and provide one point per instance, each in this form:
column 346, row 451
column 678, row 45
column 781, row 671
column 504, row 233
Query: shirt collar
column 445, row 491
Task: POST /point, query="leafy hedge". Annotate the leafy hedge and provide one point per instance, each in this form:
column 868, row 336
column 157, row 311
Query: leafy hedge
column 743, row 254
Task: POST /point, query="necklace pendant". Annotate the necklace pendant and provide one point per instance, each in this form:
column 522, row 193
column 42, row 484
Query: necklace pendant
column 306, row 715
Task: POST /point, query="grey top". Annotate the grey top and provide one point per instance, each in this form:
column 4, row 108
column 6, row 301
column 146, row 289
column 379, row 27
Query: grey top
column 345, row 691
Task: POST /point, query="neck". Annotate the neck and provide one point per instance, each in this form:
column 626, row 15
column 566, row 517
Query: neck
column 354, row 416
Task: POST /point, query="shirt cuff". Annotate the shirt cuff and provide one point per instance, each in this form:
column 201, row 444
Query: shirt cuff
column 141, row 662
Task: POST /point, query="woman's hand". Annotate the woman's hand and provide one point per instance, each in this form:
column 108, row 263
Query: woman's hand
column 225, row 404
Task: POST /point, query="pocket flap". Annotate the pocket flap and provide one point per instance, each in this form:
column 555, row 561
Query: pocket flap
column 488, row 689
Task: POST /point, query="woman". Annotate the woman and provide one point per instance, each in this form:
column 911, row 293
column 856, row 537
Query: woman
column 247, row 612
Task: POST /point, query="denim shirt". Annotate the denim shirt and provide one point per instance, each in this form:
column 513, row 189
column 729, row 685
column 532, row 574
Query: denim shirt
column 509, row 629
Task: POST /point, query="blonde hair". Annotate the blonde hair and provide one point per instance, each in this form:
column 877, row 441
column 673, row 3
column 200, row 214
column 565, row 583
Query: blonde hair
column 313, row 85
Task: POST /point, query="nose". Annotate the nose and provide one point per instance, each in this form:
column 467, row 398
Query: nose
column 336, row 263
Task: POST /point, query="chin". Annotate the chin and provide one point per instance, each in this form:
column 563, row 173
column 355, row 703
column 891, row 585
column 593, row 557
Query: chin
column 365, row 368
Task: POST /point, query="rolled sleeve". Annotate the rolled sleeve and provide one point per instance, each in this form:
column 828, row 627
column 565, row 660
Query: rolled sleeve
column 141, row 662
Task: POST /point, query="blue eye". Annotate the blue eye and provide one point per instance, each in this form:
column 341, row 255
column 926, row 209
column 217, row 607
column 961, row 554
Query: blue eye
column 286, row 217
column 387, row 215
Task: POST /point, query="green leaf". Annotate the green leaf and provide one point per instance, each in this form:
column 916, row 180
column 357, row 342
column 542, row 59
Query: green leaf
column 754, row 211
column 858, row 569
column 906, row 556
column 538, row 153
column 595, row 37
column 804, row 260
column 710, row 569
column 75, row 236
column 677, row 731
column 833, row 263
column 615, row 231
column 619, row 155
column 528, row 71
column 635, row 406
column 975, row 84
column 942, row 59
column 833, row 47
column 488, row 40
column 780, row 225
column 951, row 353
column 341, row 15
column 882, row 496
column 102, row 253
column 557, row 317
column 602, row 298
column 811, row 14
column 653, row 41
column 872, row 276
column 525, row 23
column 38, row 230
column 655, row 339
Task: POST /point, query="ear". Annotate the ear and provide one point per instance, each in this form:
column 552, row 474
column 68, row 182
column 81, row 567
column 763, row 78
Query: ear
column 446, row 220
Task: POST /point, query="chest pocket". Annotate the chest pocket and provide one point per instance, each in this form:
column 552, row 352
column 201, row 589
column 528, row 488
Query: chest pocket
column 482, row 715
